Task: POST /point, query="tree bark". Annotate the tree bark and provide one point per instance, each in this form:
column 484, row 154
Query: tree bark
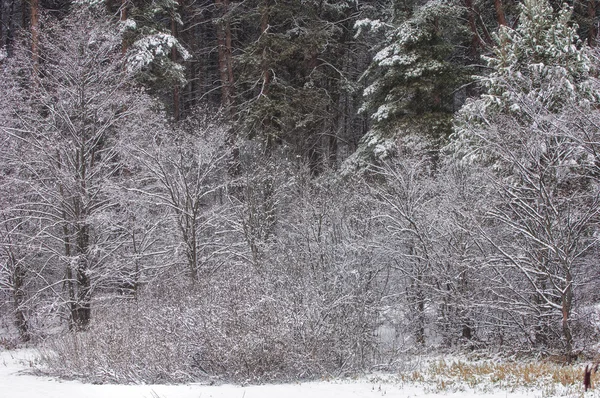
column 17, row 277
column 567, row 300
column 176, row 93
column 476, row 41
column 266, row 76
column 500, row 16
column 225, row 54
column 593, row 31
column 83, row 309
column 225, row 65
column 2, row 24
column 123, row 18
column 11, row 28
column 264, row 26
column 35, row 35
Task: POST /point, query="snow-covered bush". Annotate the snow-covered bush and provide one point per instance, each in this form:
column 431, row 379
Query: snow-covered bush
column 296, row 296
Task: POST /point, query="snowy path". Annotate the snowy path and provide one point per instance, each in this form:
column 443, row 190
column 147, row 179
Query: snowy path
column 15, row 383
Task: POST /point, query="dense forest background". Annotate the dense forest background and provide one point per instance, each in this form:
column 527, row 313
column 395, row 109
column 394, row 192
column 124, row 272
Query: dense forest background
column 263, row 189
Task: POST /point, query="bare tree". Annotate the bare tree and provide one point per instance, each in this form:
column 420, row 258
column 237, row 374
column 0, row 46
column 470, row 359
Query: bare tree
column 542, row 215
column 181, row 172
column 405, row 197
column 70, row 125
column 15, row 252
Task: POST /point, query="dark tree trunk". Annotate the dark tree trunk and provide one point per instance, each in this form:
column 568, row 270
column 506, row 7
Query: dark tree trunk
column 567, row 300
column 333, row 149
column 593, row 31
column 420, row 332
column 176, row 93
column 82, row 313
column 500, row 16
column 225, row 54
column 476, row 41
column 270, row 138
column 123, row 17
column 264, row 26
column 35, row 35
column 10, row 26
column 18, row 292
column 70, row 282
column 2, row 25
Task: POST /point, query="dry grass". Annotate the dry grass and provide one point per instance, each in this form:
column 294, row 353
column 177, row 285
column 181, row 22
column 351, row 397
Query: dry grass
column 457, row 375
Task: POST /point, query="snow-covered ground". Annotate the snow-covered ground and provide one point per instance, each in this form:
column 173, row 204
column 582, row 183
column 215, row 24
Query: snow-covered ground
column 16, row 381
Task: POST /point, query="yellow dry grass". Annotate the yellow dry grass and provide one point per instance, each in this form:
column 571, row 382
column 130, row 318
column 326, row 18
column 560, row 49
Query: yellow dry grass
column 456, row 375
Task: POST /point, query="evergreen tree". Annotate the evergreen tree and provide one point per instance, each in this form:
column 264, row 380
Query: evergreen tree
column 416, row 72
column 414, row 77
column 295, row 75
column 153, row 50
column 541, row 61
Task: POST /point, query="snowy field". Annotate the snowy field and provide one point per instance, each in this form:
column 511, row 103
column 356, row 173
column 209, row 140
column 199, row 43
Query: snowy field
column 17, row 381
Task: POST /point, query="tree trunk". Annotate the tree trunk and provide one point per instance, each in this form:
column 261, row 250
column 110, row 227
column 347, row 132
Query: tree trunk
column 224, row 43
column 225, row 60
column 35, row 36
column 7, row 21
column 82, row 311
column 567, row 300
column 333, row 149
column 420, row 332
column 70, row 282
column 79, row 284
column 135, row 284
column 593, row 31
column 476, row 42
column 11, row 26
column 419, row 301
column 192, row 246
column 2, row 24
column 266, row 78
column 82, row 236
column 542, row 330
column 500, row 16
column 176, row 96
column 123, row 18
column 467, row 327
column 228, row 56
column 264, row 26
column 18, row 293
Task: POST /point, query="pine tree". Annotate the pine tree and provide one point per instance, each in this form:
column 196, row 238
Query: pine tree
column 414, row 77
column 294, row 74
column 153, row 50
column 414, row 73
column 542, row 60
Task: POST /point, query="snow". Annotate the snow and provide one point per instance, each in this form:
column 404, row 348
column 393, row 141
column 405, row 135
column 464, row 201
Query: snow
column 145, row 50
column 17, row 381
column 128, row 24
column 368, row 24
